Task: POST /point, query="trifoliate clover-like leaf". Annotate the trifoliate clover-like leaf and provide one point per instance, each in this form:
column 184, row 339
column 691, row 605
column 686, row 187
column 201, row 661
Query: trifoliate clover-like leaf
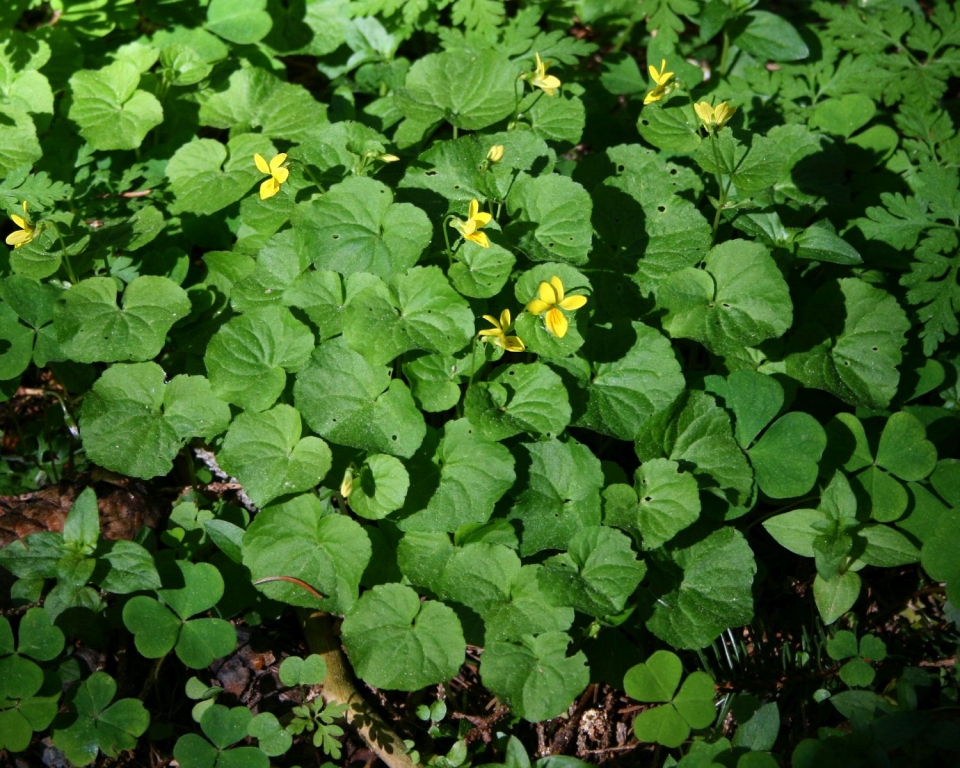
column 786, row 456
column 98, row 725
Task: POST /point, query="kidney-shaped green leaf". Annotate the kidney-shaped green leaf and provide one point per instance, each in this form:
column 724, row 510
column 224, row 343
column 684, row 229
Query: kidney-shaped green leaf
column 397, row 642
column 356, row 227
column 92, row 328
column 265, row 452
column 348, row 401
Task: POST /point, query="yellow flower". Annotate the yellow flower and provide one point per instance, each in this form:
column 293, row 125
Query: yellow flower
column 475, row 221
column 278, row 174
column 387, row 158
column 495, row 155
column 540, row 79
column 662, row 79
column 26, row 233
column 551, row 301
column 498, row 334
column 714, row 117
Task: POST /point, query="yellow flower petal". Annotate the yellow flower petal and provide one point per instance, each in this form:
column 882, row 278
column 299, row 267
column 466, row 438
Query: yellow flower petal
column 558, row 287
column 573, row 302
column 19, row 221
column 21, row 237
column 654, row 73
column 547, row 294
column 482, row 219
column 479, row 238
column 704, row 112
column 557, row 323
column 513, row 344
column 492, row 320
column 24, row 204
column 281, row 175
column 723, row 113
column 277, row 161
column 261, row 164
column 468, row 227
column 655, row 95
column 489, row 332
column 505, row 319
column 537, row 307
column 473, row 209
column 269, row 188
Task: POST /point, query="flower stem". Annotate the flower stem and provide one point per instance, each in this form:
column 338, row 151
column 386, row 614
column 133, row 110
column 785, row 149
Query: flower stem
column 66, row 256
column 446, row 239
column 722, row 189
column 724, row 52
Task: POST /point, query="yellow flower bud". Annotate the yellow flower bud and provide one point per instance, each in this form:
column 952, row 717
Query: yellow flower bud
column 346, row 486
column 387, row 158
column 714, row 118
column 495, row 155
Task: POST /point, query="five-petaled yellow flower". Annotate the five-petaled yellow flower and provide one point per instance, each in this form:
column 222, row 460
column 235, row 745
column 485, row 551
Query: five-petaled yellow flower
column 551, row 300
column 662, row 79
column 26, row 232
column 498, row 334
column 278, row 174
column 540, row 79
column 475, row 221
column 714, row 117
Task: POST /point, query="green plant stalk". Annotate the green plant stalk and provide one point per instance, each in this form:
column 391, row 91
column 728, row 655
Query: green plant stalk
column 66, row 256
column 724, row 52
column 446, row 238
column 723, row 189
column 339, row 688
